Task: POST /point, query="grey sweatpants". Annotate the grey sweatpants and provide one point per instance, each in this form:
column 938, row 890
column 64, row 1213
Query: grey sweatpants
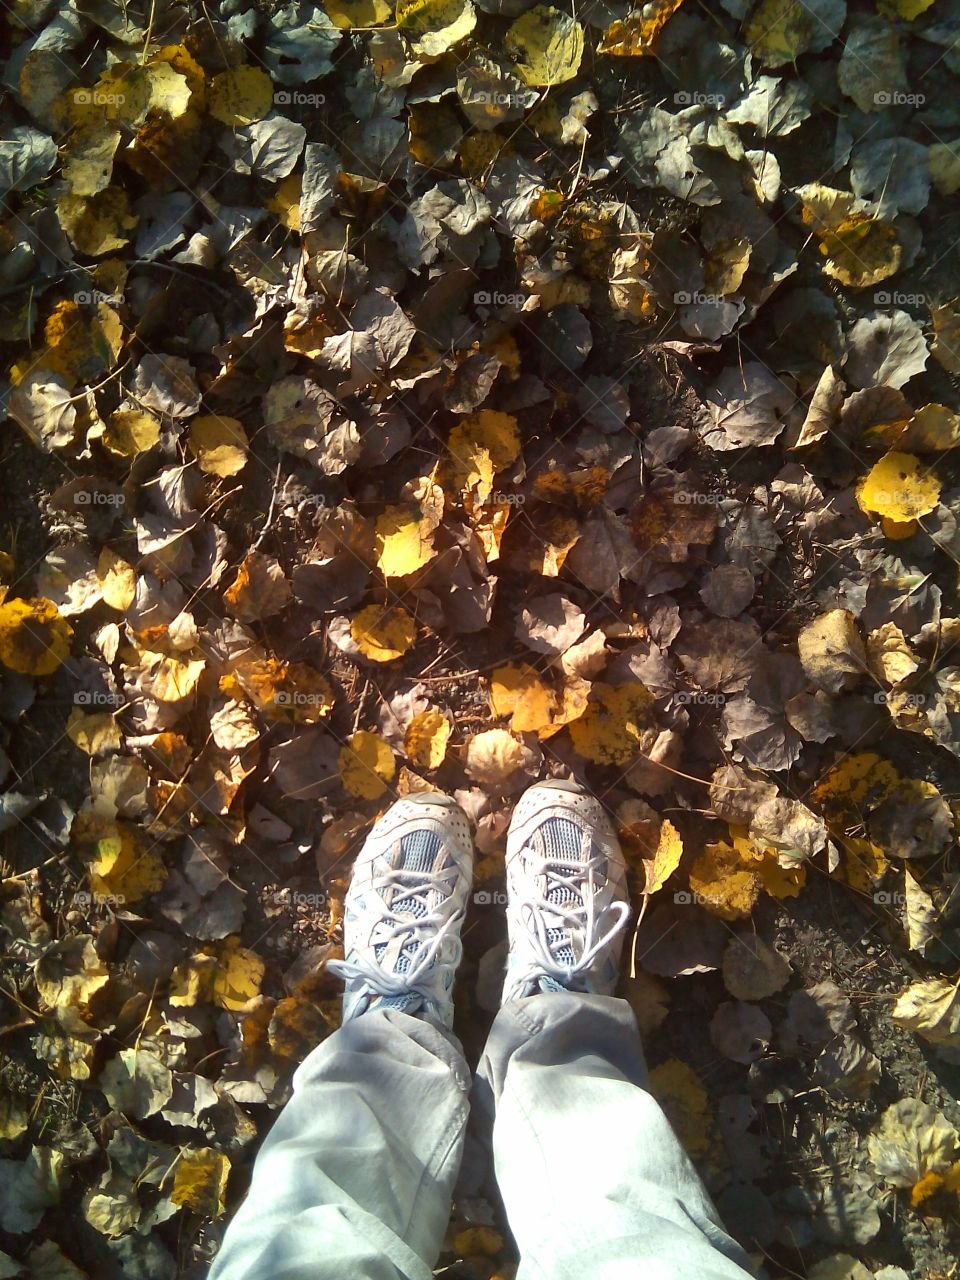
column 354, row 1180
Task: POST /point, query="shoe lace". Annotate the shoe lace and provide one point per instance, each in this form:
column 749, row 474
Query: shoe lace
column 428, row 930
column 570, row 899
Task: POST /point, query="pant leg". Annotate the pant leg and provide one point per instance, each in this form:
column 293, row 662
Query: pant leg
column 355, row 1178
column 595, row 1184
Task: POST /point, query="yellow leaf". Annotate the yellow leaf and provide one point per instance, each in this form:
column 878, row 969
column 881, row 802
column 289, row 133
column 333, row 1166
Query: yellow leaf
column 482, row 1242
column 722, row 884
column 404, row 541
column 82, row 344
column 170, row 679
column 779, row 31
column 493, row 755
column 125, row 868
column 425, row 741
column 546, row 45
column 680, row 1092
column 480, row 445
column 118, row 580
column 98, row 224
column 235, row 980
column 296, row 1026
column 34, row 638
column 219, row 444
column 635, row 35
column 609, row 730
column 200, row 1181
column 905, row 9
column 860, row 249
column 240, row 96
column 899, row 487
column 665, row 861
column 131, row 431
column 367, row 765
column 434, row 26
column 95, row 733
column 346, row 14
column 519, row 692
column 944, row 161
column 88, row 166
column 383, row 634
column 285, row 203
column 560, row 535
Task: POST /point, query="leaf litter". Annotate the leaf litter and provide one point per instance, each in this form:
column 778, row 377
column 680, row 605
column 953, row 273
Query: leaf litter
column 446, row 395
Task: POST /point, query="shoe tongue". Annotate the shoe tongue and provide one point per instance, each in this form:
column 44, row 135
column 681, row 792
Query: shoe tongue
column 561, row 841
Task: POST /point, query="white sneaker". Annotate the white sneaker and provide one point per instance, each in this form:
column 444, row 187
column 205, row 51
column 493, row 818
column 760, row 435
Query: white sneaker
column 567, row 905
column 403, row 910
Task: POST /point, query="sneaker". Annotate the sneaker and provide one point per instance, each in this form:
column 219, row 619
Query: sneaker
column 567, row 905
column 403, row 910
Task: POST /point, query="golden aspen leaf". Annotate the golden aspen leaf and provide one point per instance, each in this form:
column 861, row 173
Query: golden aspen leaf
column 82, row 344
column 519, row 692
column 69, row 974
column 168, row 678
column 347, row 14
column 899, row 487
column 124, row 868
column 426, row 738
column 94, row 733
column 482, row 444
column 779, row 31
column 383, row 634
column 367, row 765
column 778, row 881
column 478, row 1242
column 905, row 9
column 219, row 444
column 96, row 225
column 240, row 96
column 607, row 733
column 88, row 165
column 305, row 695
column 34, row 638
column 131, row 431
column 285, row 202
column 679, row 1090
column 118, row 580
column 434, row 26
column 635, row 35
column 489, row 522
column 492, row 756
column 200, row 1181
column 546, row 45
column 722, row 884
column 404, row 541
column 236, row 976
column 665, row 860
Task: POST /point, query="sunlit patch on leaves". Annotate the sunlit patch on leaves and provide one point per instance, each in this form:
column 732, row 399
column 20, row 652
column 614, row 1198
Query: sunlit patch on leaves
column 367, row 765
column 383, row 634
column 200, row 1181
column 34, row 637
